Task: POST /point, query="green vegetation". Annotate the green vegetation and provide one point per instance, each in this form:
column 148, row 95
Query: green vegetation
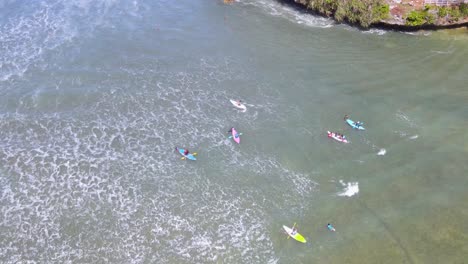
column 382, row 11
column 464, row 9
column 416, row 18
column 420, row 17
column 367, row 12
column 442, row 12
column 360, row 12
column 455, row 14
column 458, row 12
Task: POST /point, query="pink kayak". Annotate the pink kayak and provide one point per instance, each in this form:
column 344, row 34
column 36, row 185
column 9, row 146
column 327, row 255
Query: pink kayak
column 337, row 137
column 235, row 135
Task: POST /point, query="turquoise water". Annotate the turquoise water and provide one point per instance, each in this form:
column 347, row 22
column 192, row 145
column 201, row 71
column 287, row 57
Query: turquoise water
column 96, row 95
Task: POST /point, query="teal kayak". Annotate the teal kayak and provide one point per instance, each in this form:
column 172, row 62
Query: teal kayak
column 189, row 156
column 354, row 125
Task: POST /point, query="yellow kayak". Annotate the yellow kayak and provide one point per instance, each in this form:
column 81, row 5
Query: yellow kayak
column 294, row 234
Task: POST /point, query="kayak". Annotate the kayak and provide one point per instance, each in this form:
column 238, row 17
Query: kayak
column 295, row 235
column 188, row 156
column 238, row 105
column 235, row 135
column 353, row 124
column 331, row 228
column 337, row 138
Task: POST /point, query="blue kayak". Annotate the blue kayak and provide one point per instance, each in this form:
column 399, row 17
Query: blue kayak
column 354, row 125
column 188, row 156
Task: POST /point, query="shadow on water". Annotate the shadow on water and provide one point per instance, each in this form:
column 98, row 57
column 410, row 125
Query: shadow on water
column 389, row 231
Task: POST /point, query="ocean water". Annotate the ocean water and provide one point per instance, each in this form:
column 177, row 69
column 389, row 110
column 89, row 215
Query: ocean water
column 95, row 96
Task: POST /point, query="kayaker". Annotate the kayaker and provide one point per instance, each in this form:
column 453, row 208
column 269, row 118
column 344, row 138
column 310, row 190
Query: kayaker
column 294, row 231
column 186, row 152
column 346, row 117
column 330, row 227
column 238, row 102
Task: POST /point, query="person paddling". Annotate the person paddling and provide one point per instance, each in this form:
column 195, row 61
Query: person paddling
column 330, row 227
column 294, row 231
column 186, row 152
column 236, row 135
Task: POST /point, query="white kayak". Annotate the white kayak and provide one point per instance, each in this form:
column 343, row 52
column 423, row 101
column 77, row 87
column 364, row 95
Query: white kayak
column 238, row 105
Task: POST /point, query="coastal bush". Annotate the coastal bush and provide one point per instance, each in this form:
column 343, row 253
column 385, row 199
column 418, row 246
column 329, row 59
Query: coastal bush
column 430, row 18
column 327, row 7
column 455, row 14
column 464, row 9
column 381, row 12
column 442, row 12
column 428, row 15
column 340, row 14
column 361, row 12
column 357, row 12
column 416, row 18
column 331, row 4
column 366, row 12
column 420, row 17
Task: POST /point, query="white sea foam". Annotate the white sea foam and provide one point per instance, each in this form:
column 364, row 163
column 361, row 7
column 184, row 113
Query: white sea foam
column 350, row 188
column 417, row 33
column 443, row 52
column 402, row 116
column 277, row 9
column 105, row 184
column 382, row 152
column 379, row 32
column 38, row 27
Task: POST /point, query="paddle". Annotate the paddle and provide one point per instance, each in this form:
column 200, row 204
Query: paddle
column 240, row 134
column 292, row 228
column 194, row 154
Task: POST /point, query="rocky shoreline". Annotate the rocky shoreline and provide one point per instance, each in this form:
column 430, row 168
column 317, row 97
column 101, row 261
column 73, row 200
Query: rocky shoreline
column 403, row 15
